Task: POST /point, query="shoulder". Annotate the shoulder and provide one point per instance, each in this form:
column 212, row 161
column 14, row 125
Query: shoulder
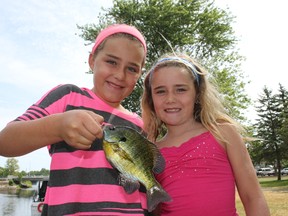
column 227, row 129
column 230, row 134
column 56, row 94
column 67, row 88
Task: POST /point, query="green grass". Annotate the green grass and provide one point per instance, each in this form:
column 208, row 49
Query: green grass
column 272, row 182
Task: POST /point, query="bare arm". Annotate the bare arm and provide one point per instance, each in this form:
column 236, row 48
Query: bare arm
column 79, row 128
column 247, row 183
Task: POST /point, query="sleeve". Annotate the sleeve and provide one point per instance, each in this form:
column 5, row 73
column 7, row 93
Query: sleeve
column 54, row 101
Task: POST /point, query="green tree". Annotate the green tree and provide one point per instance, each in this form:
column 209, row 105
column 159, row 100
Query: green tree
column 283, row 130
column 42, row 172
column 12, row 166
column 271, row 128
column 3, row 172
column 197, row 27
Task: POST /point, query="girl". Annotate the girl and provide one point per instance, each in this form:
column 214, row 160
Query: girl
column 68, row 120
column 205, row 154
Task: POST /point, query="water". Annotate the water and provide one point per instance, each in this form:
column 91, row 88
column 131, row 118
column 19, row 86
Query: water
column 16, row 204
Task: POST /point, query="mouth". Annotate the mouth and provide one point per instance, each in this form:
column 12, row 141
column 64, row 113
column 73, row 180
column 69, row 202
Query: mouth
column 114, row 85
column 172, row 110
column 106, row 129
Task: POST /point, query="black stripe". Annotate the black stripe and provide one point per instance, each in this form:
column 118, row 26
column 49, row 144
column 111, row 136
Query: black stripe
column 64, row 147
column 60, row 92
column 84, row 176
column 108, row 117
column 34, row 114
column 28, row 116
column 37, row 110
column 73, row 208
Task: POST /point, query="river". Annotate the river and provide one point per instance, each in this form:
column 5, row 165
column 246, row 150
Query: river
column 18, row 204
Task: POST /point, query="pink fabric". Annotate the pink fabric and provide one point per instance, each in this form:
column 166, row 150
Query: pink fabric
column 80, row 158
column 82, row 182
column 199, row 178
column 118, row 28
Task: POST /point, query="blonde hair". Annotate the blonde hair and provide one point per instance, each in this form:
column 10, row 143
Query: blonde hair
column 208, row 108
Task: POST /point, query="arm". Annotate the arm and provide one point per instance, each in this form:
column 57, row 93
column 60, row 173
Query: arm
column 247, row 183
column 78, row 128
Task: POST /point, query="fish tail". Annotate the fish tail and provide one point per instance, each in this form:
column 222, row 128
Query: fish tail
column 156, row 195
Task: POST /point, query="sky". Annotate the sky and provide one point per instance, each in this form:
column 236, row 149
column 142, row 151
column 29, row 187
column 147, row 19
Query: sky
column 40, row 47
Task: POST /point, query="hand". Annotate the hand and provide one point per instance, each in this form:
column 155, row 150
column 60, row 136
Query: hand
column 79, row 128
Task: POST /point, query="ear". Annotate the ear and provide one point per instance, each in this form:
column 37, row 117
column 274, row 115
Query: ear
column 91, row 61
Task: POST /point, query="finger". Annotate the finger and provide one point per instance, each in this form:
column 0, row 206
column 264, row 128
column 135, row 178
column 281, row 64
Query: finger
column 82, row 146
column 81, row 142
column 94, row 125
column 98, row 118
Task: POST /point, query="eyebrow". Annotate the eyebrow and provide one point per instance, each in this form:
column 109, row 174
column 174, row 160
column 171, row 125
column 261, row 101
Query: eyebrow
column 119, row 59
column 176, row 85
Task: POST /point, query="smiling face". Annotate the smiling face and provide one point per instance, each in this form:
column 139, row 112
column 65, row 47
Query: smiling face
column 116, row 68
column 173, row 94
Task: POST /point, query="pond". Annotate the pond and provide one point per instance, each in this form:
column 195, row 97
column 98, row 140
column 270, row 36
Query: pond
column 16, row 202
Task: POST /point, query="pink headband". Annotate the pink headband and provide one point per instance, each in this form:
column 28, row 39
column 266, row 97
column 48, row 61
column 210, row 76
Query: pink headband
column 118, row 28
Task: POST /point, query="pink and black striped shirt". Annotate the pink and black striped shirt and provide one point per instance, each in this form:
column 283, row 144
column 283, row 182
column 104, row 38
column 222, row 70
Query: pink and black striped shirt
column 82, row 182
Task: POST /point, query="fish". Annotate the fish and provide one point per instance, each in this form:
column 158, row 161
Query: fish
column 137, row 160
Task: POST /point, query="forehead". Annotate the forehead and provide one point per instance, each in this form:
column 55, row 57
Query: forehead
column 171, row 74
column 124, row 50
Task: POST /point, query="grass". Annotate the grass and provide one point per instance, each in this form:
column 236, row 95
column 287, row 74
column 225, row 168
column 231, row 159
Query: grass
column 276, row 194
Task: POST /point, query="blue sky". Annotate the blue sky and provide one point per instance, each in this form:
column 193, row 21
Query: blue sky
column 40, row 48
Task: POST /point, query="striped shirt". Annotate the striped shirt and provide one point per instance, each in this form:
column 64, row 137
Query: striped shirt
column 82, row 182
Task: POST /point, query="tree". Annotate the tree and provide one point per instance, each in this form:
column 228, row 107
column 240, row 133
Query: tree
column 283, row 130
column 194, row 26
column 271, row 128
column 12, row 166
column 3, row 172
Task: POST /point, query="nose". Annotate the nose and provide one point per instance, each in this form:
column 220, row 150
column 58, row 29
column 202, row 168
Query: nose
column 120, row 73
column 170, row 98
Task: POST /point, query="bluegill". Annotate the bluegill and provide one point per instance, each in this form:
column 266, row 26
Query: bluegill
column 137, row 159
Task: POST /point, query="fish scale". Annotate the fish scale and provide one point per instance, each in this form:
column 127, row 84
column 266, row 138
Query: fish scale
column 137, row 159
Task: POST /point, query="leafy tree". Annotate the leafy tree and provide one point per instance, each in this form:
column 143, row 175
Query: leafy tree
column 42, row 172
column 3, row 172
column 271, row 128
column 196, row 27
column 12, row 166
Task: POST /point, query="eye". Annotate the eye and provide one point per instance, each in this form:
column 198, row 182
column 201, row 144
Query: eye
column 111, row 127
column 159, row 91
column 133, row 69
column 181, row 90
column 123, row 139
column 112, row 62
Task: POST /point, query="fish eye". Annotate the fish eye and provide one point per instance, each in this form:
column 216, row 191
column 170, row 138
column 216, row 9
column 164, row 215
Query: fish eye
column 123, row 139
column 111, row 127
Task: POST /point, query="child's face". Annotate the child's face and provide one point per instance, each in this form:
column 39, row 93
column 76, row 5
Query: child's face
column 116, row 69
column 173, row 95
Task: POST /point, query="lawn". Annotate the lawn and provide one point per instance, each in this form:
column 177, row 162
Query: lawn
column 276, row 194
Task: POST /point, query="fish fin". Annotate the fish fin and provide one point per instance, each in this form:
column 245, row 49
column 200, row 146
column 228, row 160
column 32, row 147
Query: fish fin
column 158, row 159
column 128, row 184
column 159, row 164
column 156, row 195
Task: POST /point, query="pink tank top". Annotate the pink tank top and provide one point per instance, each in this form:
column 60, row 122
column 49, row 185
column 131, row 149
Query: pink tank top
column 199, row 178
